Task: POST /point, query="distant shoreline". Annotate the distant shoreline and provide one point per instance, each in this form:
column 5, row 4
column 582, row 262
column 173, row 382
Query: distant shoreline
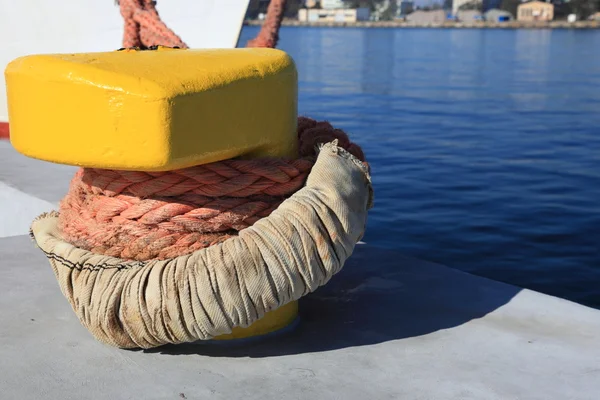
column 445, row 24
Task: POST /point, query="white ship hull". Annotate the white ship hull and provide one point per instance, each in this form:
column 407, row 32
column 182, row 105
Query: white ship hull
column 67, row 26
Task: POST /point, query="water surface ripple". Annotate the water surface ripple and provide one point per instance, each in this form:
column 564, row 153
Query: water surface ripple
column 484, row 144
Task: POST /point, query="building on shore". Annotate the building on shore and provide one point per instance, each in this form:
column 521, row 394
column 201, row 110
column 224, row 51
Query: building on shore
column 535, row 11
column 595, row 16
column 427, row 17
column 469, row 16
column 316, row 15
column 495, row 15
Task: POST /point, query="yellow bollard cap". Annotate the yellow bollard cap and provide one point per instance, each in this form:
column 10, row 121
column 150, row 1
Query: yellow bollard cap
column 153, row 110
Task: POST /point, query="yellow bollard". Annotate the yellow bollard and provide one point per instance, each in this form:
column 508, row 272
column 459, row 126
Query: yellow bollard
column 157, row 111
column 153, row 110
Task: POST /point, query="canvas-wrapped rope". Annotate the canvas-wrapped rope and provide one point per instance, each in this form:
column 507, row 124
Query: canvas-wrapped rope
column 201, row 295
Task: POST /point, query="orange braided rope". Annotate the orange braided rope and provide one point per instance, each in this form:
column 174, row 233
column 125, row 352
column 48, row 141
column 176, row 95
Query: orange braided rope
column 144, row 28
column 157, row 215
column 269, row 32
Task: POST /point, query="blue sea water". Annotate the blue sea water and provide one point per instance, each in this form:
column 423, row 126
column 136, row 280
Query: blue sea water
column 484, row 144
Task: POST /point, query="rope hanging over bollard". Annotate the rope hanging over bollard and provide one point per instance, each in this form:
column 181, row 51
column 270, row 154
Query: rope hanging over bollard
column 144, row 27
column 269, row 32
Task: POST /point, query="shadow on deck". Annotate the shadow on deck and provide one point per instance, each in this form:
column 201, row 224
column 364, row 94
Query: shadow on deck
column 378, row 297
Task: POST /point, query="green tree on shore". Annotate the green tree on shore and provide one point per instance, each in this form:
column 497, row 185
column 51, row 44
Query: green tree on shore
column 476, row 5
column 370, row 4
column 432, row 7
column 583, row 8
column 256, row 7
column 510, row 6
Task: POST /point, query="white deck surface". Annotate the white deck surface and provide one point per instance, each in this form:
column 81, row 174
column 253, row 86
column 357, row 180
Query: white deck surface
column 386, row 327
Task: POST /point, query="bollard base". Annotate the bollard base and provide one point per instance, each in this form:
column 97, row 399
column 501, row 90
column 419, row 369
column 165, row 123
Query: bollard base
column 272, row 322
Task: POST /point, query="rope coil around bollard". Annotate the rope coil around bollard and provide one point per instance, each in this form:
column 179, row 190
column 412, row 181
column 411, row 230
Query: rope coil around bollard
column 144, row 215
column 208, row 292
